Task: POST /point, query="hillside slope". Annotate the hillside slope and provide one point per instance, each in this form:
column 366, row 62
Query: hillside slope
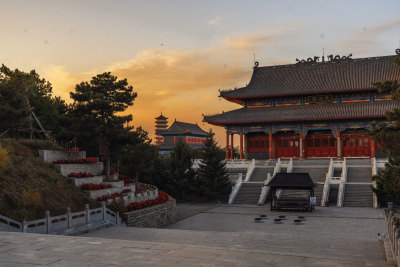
column 29, row 186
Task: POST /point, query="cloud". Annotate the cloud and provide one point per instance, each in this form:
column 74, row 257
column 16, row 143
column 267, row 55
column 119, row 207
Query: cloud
column 183, row 84
column 366, row 40
column 214, row 21
column 247, row 43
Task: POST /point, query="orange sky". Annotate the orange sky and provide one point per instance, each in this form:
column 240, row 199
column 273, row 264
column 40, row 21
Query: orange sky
column 177, row 54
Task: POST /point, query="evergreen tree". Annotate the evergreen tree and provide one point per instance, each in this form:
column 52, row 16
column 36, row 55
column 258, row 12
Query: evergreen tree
column 96, row 112
column 387, row 134
column 180, row 171
column 212, row 177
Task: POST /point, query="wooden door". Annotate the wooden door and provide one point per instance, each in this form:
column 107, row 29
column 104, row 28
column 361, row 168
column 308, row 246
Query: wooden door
column 287, row 146
column 320, row 145
column 356, row 145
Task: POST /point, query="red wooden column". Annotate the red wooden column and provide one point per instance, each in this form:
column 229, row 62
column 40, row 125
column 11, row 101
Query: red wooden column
column 270, row 145
column 241, row 145
column 227, row 146
column 301, row 144
column 339, row 144
column 231, row 146
column 372, row 143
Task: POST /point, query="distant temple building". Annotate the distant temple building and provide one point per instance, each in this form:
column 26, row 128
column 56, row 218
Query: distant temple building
column 161, row 124
column 309, row 109
column 188, row 133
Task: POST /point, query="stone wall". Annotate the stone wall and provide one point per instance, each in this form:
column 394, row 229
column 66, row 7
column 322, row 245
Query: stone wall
column 93, row 168
column 53, row 155
column 153, row 217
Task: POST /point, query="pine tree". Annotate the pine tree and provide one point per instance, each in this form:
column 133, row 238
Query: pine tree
column 212, row 178
column 387, row 134
column 180, row 170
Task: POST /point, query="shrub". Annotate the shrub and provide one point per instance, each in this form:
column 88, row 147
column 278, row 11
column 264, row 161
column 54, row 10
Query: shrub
column 3, row 160
column 32, row 198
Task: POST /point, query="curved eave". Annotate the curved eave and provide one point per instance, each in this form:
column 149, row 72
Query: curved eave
column 291, row 120
column 238, row 99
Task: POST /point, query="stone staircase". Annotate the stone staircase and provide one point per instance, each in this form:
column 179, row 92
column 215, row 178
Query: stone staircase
column 359, row 174
column 249, row 193
column 358, row 195
column 318, row 193
column 358, row 191
column 317, row 173
column 260, row 174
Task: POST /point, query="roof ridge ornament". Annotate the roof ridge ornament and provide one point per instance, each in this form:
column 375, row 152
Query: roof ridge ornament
column 256, row 63
column 331, row 58
column 398, row 51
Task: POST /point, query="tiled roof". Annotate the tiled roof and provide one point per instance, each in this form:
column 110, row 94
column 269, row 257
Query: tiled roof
column 183, row 128
column 292, row 180
column 161, row 117
column 304, row 112
column 348, row 75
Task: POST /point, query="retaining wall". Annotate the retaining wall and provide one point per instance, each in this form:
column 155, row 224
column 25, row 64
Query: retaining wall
column 93, row 168
column 53, row 155
column 153, row 217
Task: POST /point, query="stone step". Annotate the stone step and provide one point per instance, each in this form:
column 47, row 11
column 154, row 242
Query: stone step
column 317, row 174
column 311, row 162
column 260, row 174
column 352, row 161
column 93, row 168
column 358, row 195
column 52, row 155
column 359, row 174
column 249, row 193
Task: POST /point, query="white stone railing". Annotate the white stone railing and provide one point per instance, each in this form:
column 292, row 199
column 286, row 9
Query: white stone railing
column 264, row 190
column 277, row 168
column 250, row 170
column 289, row 168
column 393, row 235
column 62, row 224
column 374, row 172
column 235, row 189
column 342, row 184
column 325, row 191
column 239, row 163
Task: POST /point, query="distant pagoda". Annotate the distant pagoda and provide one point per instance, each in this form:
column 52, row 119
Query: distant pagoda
column 161, row 124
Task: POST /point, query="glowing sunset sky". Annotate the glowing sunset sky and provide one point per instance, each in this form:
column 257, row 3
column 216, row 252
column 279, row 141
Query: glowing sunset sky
column 177, row 54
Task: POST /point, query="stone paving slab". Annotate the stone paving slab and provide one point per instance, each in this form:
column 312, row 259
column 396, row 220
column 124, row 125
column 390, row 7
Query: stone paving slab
column 79, row 251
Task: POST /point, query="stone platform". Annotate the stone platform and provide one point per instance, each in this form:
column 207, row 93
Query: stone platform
column 219, row 235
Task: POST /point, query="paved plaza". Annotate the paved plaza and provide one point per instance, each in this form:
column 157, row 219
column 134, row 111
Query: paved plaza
column 215, row 235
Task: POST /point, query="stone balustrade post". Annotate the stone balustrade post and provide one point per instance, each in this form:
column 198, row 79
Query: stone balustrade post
column 103, row 209
column 87, row 213
column 69, row 218
column 24, row 226
column 48, row 222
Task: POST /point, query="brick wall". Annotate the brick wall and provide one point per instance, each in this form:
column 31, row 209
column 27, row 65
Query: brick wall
column 153, row 217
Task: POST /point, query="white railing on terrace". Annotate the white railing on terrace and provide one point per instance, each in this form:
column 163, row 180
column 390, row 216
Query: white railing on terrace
column 235, row 189
column 342, row 184
column 277, row 168
column 250, row 170
column 62, row 224
column 264, row 190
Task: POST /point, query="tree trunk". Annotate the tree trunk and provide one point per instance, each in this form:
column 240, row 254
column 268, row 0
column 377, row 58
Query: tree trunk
column 108, row 165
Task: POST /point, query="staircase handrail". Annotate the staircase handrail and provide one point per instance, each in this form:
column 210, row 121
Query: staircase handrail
column 290, row 166
column 327, row 185
column 375, row 202
column 264, row 190
column 235, row 189
column 331, row 168
column 343, row 180
column 250, row 170
column 325, row 190
column 277, row 168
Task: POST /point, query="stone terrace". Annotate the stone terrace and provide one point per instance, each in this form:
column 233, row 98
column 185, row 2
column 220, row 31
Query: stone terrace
column 220, row 235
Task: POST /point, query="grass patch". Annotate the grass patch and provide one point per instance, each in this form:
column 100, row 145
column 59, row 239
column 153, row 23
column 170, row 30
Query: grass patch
column 29, row 186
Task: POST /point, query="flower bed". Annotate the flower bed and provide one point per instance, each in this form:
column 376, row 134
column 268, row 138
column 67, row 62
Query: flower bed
column 112, row 170
column 126, row 191
column 162, row 198
column 91, row 186
column 126, row 180
column 80, row 174
column 77, row 161
column 112, row 196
